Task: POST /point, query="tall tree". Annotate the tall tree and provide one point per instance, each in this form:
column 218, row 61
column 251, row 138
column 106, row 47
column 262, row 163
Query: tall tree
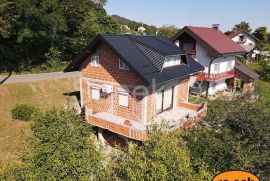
column 263, row 36
column 243, row 25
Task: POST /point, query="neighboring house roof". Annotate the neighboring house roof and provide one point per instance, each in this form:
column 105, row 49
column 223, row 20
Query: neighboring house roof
column 248, row 48
column 235, row 33
column 144, row 54
column 239, row 66
column 213, row 39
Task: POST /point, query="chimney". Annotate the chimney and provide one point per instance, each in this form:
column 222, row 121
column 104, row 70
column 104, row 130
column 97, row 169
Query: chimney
column 215, row 26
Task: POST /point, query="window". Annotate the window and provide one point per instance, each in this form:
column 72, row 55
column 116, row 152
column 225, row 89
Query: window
column 95, row 93
column 216, row 68
column 241, row 38
column 229, row 66
column 95, row 60
column 172, row 60
column 123, row 99
column 123, row 65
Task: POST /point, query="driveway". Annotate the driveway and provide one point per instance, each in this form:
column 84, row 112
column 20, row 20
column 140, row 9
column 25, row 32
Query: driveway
column 36, row 77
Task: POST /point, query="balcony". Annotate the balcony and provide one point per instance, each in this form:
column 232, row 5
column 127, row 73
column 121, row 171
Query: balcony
column 182, row 116
column 215, row 77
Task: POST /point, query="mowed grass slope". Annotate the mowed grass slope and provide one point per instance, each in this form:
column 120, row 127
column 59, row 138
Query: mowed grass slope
column 42, row 94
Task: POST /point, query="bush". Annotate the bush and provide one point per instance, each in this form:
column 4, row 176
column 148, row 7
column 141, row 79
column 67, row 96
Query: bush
column 23, row 112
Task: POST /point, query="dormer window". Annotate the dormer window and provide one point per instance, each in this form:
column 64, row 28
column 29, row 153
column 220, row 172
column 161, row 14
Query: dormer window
column 173, row 60
column 241, row 38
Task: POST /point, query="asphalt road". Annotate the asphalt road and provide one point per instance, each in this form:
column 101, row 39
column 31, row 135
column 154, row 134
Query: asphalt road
column 36, row 77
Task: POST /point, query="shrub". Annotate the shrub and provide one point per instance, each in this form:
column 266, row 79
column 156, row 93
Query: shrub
column 23, row 112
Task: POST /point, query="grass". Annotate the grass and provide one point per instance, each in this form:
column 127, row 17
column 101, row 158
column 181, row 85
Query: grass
column 263, row 88
column 195, row 100
column 42, row 94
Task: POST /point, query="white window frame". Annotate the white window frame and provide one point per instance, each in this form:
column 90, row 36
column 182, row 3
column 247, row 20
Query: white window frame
column 172, row 61
column 214, row 70
column 95, row 60
column 123, row 65
column 121, row 100
column 97, row 97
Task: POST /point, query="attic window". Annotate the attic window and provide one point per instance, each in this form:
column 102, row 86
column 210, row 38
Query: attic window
column 174, row 60
column 123, row 65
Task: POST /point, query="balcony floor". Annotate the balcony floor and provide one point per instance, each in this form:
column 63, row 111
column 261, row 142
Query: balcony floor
column 174, row 117
column 119, row 120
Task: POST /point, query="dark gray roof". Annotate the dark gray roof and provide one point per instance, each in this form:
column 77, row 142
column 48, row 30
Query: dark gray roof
column 239, row 66
column 144, row 54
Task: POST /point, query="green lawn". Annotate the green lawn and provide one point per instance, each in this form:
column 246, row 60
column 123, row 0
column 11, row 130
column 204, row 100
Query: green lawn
column 263, row 87
column 195, row 100
column 42, row 94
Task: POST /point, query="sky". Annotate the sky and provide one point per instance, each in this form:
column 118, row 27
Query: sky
column 227, row 13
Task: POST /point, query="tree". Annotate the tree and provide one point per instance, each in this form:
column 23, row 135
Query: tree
column 168, row 31
column 243, row 26
column 61, row 148
column 31, row 29
column 262, row 34
column 234, row 135
column 162, row 157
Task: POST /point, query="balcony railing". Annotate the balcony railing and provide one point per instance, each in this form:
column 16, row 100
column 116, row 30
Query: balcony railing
column 215, row 77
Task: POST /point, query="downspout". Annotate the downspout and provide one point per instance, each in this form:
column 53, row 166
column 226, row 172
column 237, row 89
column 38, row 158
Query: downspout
column 209, row 71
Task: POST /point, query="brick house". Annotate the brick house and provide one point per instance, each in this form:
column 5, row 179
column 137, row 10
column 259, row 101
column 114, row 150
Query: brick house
column 128, row 81
column 216, row 52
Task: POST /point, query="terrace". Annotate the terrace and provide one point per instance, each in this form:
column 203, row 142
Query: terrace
column 181, row 116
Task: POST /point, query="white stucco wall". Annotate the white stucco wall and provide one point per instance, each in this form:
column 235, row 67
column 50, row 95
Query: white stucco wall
column 221, row 85
column 249, row 40
column 203, row 58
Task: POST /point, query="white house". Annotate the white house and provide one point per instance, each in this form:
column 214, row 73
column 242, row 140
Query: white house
column 216, row 52
column 141, row 29
column 247, row 41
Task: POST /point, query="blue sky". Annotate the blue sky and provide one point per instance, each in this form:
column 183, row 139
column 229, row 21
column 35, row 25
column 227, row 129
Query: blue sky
column 193, row 12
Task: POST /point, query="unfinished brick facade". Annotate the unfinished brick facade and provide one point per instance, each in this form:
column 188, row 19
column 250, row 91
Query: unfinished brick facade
column 140, row 110
column 122, row 81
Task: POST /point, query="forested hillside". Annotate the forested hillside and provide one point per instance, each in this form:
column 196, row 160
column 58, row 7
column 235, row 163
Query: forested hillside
column 45, row 33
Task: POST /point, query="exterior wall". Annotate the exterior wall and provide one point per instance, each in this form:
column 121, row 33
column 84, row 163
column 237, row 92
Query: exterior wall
column 249, row 40
column 181, row 93
column 121, row 80
column 220, row 85
column 203, row 58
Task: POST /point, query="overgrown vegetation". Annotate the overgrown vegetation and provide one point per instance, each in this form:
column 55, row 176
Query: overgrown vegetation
column 262, row 68
column 23, row 112
column 234, row 135
column 61, row 148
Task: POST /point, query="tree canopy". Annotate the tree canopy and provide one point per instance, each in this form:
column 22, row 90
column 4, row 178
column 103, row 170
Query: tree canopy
column 32, row 30
column 168, row 31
